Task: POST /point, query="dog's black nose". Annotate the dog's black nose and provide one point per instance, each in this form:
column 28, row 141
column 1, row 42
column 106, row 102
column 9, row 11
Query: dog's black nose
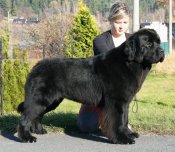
column 162, row 55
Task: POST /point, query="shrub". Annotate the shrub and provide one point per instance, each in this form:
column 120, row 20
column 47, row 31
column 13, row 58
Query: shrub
column 84, row 30
column 14, row 72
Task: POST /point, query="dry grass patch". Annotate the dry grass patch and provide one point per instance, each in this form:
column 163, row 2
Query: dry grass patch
column 168, row 66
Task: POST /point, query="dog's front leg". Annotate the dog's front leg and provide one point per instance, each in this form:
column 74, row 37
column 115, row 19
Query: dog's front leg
column 130, row 132
column 123, row 134
column 114, row 120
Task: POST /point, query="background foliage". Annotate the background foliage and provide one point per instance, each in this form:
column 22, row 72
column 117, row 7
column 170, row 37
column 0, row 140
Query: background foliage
column 38, row 6
column 14, row 74
column 84, row 30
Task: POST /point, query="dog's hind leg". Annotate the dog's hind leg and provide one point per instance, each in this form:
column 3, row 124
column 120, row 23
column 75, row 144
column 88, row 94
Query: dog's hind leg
column 37, row 125
column 53, row 105
column 31, row 112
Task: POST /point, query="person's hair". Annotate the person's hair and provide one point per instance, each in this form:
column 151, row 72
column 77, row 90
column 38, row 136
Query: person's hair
column 118, row 11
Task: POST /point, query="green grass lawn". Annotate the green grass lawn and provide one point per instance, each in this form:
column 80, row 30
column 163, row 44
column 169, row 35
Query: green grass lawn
column 156, row 106
column 156, row 110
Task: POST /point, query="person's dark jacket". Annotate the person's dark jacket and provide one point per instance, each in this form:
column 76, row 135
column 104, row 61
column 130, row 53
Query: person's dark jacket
column 103, row 42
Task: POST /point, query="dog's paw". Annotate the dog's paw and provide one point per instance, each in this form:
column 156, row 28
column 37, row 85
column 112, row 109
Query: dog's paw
column 30, row 139
column 123, row 141
column 126, row 140
column 41, row 132
column 134, row 135
column 124, row 137
column 131, row 134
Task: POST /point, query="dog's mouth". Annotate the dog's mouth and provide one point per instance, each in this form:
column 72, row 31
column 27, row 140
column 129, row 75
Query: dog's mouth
column 162, row 59
column 154, row 60
column 162, row 56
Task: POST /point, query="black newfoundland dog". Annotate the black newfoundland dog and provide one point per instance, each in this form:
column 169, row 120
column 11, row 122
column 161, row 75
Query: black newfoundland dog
column 113, row 77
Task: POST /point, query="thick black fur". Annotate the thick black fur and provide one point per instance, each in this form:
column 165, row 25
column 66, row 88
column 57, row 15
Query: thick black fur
column 113, row 77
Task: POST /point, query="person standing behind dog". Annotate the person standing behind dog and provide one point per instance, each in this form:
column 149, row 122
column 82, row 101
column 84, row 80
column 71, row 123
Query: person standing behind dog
column 89, row 116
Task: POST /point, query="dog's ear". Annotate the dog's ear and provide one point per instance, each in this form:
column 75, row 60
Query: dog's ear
column 140, row 55
column 144, row 45
column 130, row 50
column 134, row 50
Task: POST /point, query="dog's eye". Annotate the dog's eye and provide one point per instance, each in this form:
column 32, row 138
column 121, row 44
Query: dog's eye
column 149, row 44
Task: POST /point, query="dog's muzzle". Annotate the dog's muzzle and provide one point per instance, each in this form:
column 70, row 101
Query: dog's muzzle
column 162, row 55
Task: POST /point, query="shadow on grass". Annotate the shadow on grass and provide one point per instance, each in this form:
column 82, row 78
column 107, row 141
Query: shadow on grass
column 53, row 122
column 143, row 101
column 162, row 104
column 159, row 103
column 8, row 124
column 60, row 121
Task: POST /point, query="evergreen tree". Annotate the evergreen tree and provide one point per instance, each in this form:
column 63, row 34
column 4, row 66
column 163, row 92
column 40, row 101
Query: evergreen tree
column 1, row 3
column 84, row 30
column 24, row 59
column 14, row 73
column 8, row 78
column 9, row 85
column 25, row 66
column 5, row 45
column 6, row 7
column 42, row 5
column 21, row 71
column 35, row 6
column 13, row 8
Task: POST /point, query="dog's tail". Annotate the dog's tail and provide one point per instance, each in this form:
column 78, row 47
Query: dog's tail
column 20, row 108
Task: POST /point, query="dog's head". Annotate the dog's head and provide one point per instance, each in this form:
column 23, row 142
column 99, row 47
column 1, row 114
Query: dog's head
column 144, row 47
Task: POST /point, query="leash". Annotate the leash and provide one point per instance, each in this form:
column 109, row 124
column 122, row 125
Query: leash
column 135, row 98
column 135, row 104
